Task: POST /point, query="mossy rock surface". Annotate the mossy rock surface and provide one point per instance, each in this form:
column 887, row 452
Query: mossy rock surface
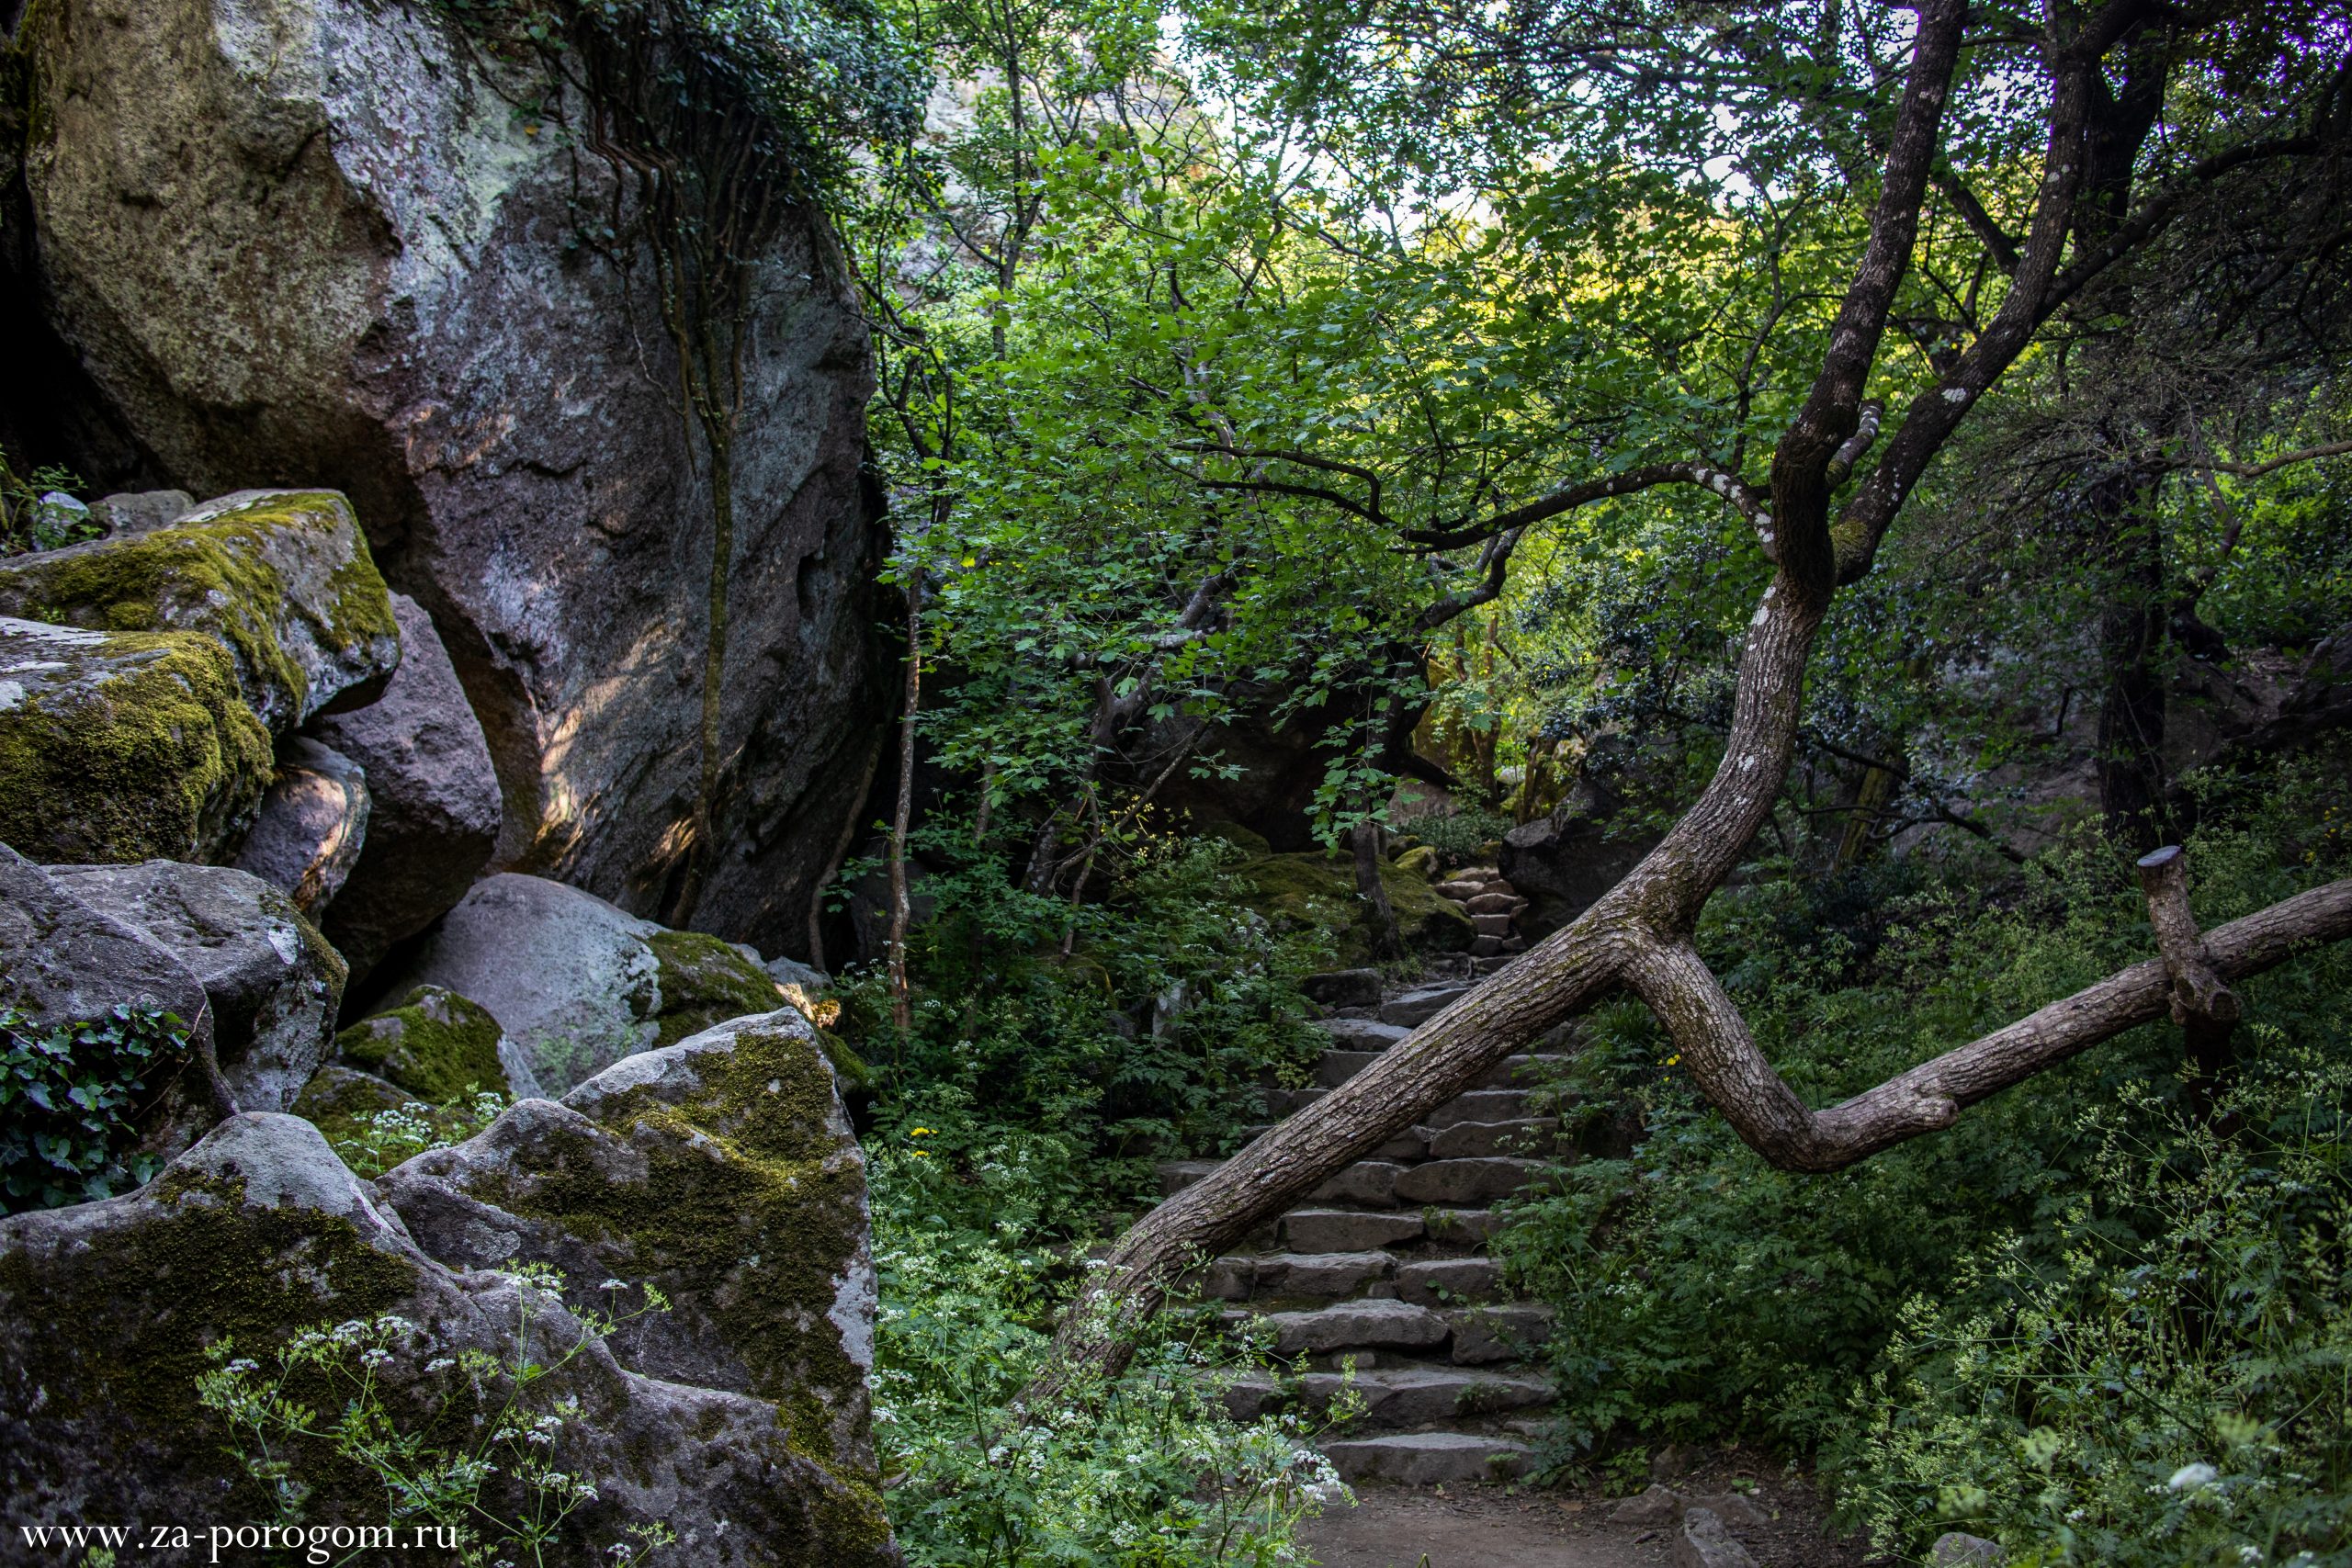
column 109, row 1313
column 1315, row 889
column 721, row 1169
column 436, row 1046
column 281, row 579
column 119, row 747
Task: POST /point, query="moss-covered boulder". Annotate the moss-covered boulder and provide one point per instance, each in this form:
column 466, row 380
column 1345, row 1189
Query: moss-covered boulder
column 721, row 1169
column 436, row 1046
column 281, row 579
column 1312, row 890
column 110, row 1312
column 124, row 746
column 578, row 984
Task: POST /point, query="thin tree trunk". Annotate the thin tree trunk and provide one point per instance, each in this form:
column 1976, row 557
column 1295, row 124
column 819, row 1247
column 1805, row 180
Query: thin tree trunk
column 1387, row 943
column 900, row 1011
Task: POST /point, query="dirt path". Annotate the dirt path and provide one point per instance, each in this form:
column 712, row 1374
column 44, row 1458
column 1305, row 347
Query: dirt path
column 1481, row 1527
column 1403, row 1530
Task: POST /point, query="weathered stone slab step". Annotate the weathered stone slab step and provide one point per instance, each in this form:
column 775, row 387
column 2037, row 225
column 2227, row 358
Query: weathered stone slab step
column 1348, row 1230
column 1362, row 1034
column 1525, row 1136
column 1336, row 1067
column 1335, row 1274
column 1446, row 1281
column 1416, row 1007
column 1412, row 1144
column 1343, row 988
column 1460, row 1227
column 1175, row 1175
column 1416, row 1394
column 1461, row 1182
column 1371, row 1182
column 1428, row 1458
column 1482, row 1336
column 1373, row 1324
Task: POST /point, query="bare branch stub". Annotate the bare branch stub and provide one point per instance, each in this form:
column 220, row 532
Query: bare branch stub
column 2203, row 1003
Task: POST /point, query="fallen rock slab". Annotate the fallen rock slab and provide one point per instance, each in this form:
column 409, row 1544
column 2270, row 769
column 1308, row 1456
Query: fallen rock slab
column 1704, row 1541
column 723, row 1171
column 271, row 981
column 1429, row 1459
column 112, row 1312
column 312, row 825
column 578, row 984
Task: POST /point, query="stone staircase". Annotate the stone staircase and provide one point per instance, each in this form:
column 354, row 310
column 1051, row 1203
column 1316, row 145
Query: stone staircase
column 1385, row 1265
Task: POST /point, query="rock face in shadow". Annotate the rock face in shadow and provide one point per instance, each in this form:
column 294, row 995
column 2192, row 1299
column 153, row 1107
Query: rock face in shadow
column 434, row 806
column 110, row 1311
column 312, row 823
column 316, row 244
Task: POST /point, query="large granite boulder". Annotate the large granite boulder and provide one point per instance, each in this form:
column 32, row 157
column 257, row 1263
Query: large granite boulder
column 110, row 1312
column 312, row 825
column 721, row 1170
column 281, row 579
column 433, row 801
column 315, row 242
column 118, row 746
column 436, row 1047
column 272, row 981
column 578, row 984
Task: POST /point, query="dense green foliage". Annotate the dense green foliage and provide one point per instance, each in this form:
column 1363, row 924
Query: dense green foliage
column 69, row 1095
column 2025, row 1326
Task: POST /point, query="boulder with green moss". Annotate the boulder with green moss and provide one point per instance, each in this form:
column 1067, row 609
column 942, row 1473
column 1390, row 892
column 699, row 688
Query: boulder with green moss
column 1317, row 891
column 578, row 984
column 436, row 1046
column 281, row 579
column 123, row 745
column 721, row 1169
column 110, row 1312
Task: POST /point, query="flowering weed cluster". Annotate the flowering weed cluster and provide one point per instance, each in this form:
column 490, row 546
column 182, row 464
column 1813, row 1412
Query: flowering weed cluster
column 470, row 1441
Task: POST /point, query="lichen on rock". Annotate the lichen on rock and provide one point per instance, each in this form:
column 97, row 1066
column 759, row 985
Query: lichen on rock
column 123, row 746
column 281, row 579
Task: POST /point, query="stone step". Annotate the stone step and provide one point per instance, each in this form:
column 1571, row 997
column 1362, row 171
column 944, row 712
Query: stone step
column 1372, row 1324
column 1371, row 1182
column 1362, row 1034
column 1462, row 1182
column 1414, row 1394
column 1348, row 1230
column 1412, row 1144
column 1527, row 1136
column 1336, row 1067
column 1284, row 1274
column 1496, row 903
column 1460, row 1227
column 1418, row 1006
column 1343, row 988
column 1428, row 1458
column 1446, row 1281
column 1477, row 1105
column 1482, row 1336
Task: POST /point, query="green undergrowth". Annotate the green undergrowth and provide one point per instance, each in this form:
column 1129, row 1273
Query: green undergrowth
column 1146, row 1470
column 1153, row 1035
column 2037, row 1325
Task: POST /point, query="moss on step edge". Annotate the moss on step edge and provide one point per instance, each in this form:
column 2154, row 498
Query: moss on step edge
column 436, row 1045
column 152, row 754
